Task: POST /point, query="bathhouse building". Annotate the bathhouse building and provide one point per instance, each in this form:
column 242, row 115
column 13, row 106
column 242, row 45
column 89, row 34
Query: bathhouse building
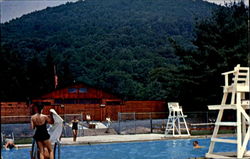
column 83, row 99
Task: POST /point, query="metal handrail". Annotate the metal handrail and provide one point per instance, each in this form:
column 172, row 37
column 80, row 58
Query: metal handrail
column 34, row 150
column 57, row 144
column 2, row 140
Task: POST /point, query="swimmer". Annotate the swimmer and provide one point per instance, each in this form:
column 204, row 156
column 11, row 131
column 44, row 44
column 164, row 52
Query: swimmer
column 196, row 145
column 10, row 144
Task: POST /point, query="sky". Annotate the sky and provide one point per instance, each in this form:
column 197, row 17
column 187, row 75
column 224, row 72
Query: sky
column 11, row 9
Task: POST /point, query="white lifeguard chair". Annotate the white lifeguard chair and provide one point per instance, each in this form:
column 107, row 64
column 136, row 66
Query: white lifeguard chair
column 238, row 88
column 176, row 124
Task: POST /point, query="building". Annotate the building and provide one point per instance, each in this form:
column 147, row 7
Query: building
column 15, row 112
column 86, row 100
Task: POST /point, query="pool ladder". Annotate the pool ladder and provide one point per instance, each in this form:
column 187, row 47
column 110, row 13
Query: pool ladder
column 34, row 150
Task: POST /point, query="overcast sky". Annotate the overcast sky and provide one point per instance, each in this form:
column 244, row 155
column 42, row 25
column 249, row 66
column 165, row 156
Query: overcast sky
column 16, row 8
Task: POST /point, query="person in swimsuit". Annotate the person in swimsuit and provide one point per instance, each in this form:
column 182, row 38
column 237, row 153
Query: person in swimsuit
column 10, row 144
column 39, row 122
column 74, row 128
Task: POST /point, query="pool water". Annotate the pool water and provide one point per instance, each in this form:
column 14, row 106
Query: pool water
column 164, row 149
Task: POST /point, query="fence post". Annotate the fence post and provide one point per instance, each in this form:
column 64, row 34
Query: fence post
column 64, row 129
column 134, row 122
column 151, row 123
column 119, row 125
column 207, row 118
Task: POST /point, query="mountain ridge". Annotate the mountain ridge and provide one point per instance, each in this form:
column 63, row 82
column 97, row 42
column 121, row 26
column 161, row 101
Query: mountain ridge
column 112, row 44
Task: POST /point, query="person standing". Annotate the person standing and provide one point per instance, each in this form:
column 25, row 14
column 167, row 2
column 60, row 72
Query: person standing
column 39, row 123
column 74, row 128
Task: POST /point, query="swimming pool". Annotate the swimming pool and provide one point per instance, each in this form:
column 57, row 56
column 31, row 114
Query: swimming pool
column 164, row 149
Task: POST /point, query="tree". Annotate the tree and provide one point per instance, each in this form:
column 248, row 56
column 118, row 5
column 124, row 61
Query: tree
column 97, row 41
column 221, row 44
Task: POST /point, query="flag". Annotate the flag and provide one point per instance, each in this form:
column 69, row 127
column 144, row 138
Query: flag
column 55, row 78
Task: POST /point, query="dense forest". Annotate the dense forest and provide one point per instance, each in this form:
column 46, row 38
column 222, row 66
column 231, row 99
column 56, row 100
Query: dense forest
column 137, row 49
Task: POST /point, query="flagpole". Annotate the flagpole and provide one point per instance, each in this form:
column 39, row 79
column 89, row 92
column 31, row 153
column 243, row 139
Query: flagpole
column 55, row 77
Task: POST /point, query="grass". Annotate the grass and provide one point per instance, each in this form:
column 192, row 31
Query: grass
column 23, row 140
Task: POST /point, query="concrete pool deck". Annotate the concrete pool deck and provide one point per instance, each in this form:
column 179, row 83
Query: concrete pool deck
column 119, row 138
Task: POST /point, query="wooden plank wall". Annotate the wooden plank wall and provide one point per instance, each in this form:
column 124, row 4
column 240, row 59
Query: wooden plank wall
column 100, row 113
column 10, row 111
column 96, row 111
column 14, row 108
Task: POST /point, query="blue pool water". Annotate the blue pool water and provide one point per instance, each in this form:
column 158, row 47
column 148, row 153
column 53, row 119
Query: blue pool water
column 164, row 149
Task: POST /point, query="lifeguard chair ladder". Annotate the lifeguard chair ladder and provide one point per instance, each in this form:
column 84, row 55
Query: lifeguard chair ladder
column 238, row 89
column 176, row 121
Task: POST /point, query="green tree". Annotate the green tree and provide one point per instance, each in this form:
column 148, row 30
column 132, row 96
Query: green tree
column 221, row 44
column 95, row 42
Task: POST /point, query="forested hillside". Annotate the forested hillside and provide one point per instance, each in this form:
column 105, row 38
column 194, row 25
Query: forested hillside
column 221, row 42
column 135, row 48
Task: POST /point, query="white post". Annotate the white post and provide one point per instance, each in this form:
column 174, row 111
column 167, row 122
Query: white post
column 173, row 122
column 179, row 126
column 239, row 137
